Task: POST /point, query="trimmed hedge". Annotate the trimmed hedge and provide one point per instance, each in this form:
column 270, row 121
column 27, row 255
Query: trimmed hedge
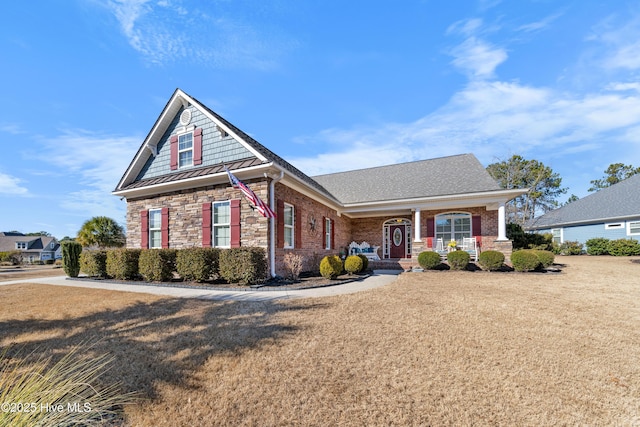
column 598, row 246
column 71, row 258
column 122, row 264
column 353, row 264
column 94, row 263
column 546, row 258
column 624, row 247
column 157, row 265
column 458, row 260
column 244, row 265
column 491, row 260
column 331, row 266
column 429, row 260
column 198, row 264
column 525, row 260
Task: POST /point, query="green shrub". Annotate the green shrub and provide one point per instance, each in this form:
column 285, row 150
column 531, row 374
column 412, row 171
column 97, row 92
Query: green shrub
column 353, row 264
column 94, row 263
column 524, row 240
column 525, row 260
column 546, row 258
column 331, row 266
column 71, row 258
column 122, row 264
column 157, row 265
column 244, row 265
column 458, row 260
column 571, row 248
column 491, row 260
column 365, row 262
column 598, row 246
column 624, row 247
column 198, row 264
column 429, row 260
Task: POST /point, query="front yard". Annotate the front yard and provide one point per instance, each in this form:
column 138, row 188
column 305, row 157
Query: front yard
column 433, row 348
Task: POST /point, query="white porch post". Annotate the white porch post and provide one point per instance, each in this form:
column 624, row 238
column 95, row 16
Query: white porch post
column 502, row 223
column 416, row 226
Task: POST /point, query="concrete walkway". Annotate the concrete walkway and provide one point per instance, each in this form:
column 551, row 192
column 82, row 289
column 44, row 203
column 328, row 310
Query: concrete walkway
column 379, row 278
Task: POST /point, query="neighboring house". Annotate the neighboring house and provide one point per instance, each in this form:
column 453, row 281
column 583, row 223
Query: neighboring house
column 179, row 195
column 613, row 213
column 33, row 248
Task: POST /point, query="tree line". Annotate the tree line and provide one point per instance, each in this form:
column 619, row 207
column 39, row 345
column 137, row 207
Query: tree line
column 545, row 185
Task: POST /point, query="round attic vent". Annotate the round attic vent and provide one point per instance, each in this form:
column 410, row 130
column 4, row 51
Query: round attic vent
column 185, row 117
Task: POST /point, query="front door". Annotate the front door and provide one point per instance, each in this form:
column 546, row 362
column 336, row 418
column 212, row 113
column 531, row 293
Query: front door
column 397, row 244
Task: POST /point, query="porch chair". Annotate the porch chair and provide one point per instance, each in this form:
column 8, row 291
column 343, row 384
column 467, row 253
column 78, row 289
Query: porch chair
column 440, row 249
column 469, row 245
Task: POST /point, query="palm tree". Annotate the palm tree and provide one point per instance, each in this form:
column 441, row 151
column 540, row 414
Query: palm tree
column 101, row 231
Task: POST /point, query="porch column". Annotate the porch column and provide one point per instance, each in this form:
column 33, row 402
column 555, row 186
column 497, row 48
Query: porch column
column 416, row 226
column 502, row 224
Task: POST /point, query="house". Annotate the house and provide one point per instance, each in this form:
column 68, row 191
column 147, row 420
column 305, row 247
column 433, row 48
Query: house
column 179, row 195
column 612, row 213
column 33, row 248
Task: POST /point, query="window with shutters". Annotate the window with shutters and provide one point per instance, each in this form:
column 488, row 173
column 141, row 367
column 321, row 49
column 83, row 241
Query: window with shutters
column 185, row 149
column 453, row 226
column 155, row 228
column 221, row 224
column 289, row 226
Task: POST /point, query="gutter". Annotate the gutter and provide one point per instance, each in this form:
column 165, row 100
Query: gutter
column 272, row 223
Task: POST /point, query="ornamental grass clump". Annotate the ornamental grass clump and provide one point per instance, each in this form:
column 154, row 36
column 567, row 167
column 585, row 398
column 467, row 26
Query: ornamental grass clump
column 458, row 260
column 429, row 260
column 331, row 266
column 293, row 263
column 353, row 264
column 491, row 260
column 65, row 393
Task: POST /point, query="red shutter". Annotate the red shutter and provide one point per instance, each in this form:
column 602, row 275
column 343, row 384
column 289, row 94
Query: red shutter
column 431, row 227
column 197, row 146
column 280, row 223
column 206, row 225
column 164, row 227
column 476, row 225
column 324, row 233
column 235, row 223
column 298, row 228
column 333, row 233
column 174, row 152
column 144, row 229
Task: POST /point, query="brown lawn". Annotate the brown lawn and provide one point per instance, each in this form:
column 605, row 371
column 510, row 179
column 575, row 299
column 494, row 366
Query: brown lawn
column 435, row 348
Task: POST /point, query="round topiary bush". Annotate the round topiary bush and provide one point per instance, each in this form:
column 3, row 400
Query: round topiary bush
column 491, row 260
column 330, row 266
column 353, row 264
column 429, row 260
column 458, row 260
column 525, row 260
column 546, row 258
column 365, row 262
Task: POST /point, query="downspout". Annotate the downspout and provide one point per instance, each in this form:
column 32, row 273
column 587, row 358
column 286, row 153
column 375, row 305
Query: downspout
column 272, row 223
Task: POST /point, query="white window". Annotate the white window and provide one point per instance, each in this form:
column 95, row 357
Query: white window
column 289, row 226
column 327, row 233
column 633, row 227
column 453, row 226
column 155, row 228
column 557, row 235
column 21, row 245
column 221, row 225
column 613, row 225
column 185, row 149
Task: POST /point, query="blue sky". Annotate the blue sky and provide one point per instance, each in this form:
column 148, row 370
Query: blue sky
column 328, row 85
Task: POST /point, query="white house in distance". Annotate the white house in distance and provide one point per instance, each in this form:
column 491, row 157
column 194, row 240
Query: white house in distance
column 612, row 213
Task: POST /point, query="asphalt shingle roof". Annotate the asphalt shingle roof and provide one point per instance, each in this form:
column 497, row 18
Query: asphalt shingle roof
column 451, row 175
column 618, row 201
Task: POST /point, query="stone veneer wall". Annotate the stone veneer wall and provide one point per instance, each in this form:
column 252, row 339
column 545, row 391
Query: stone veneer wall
column 311, row 246
column 185, row 215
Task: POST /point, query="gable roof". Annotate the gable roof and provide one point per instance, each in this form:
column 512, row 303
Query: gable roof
column 620, row 201
column 451, row 178
column 425, row 178
column 34, row 243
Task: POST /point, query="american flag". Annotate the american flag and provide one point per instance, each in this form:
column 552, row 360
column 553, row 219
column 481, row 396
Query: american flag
column 264, row 210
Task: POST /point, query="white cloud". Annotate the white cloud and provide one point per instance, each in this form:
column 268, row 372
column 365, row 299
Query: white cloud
column 10, row 185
